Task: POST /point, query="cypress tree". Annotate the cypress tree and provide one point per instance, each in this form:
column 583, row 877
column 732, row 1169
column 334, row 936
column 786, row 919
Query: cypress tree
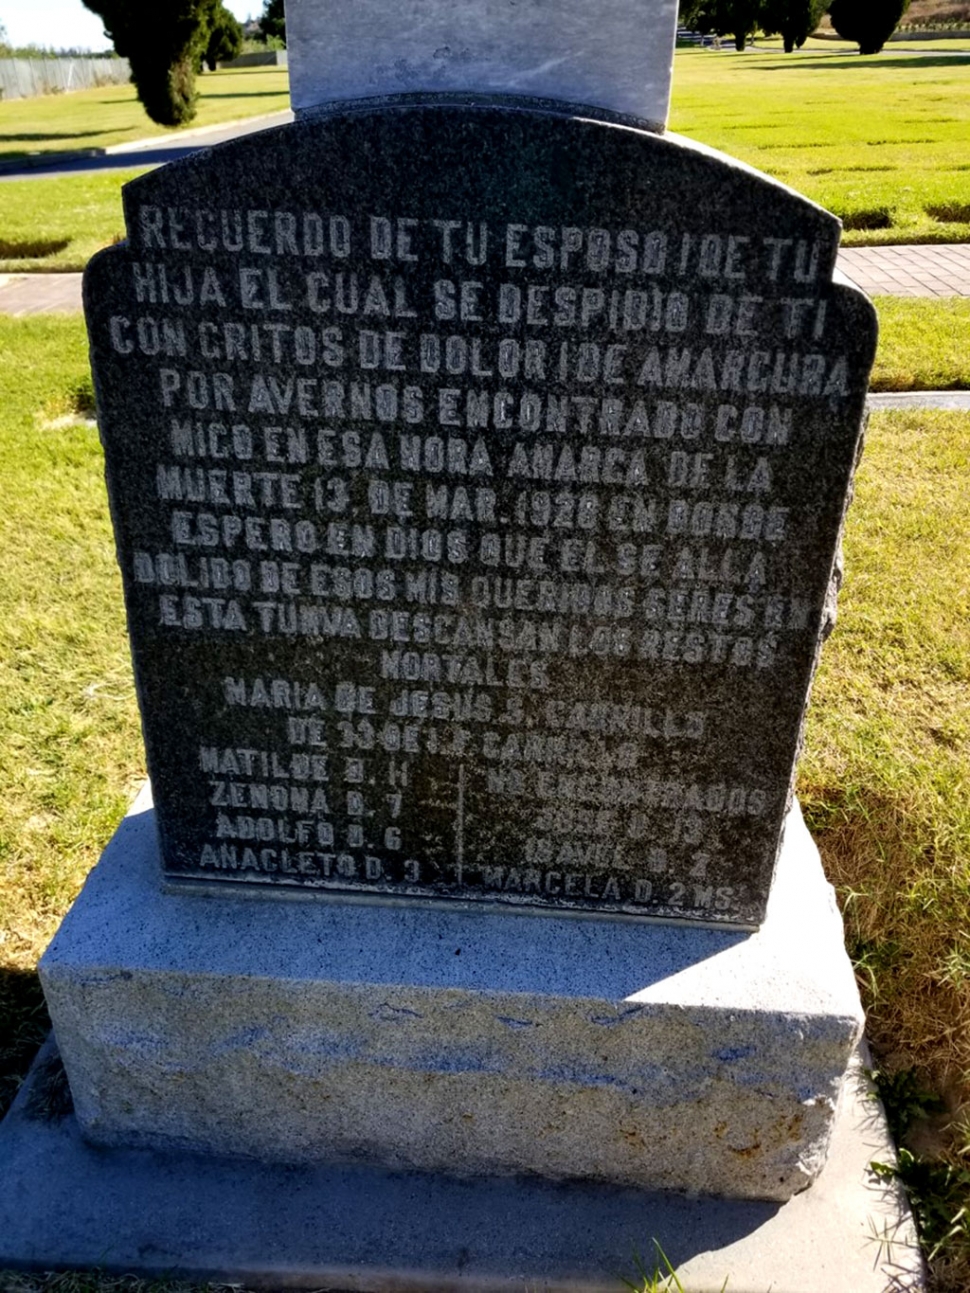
column 273, row 20
column 738, row 18
column 793, row 20
column 164, row 41
column 225, row 39
column 869, row 23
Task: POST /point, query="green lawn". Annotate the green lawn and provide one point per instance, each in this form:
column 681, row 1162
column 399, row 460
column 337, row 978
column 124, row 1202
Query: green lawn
column 111, row 114
column 59, row 222
column 70, row 750
column 884, row 141
column 924, row 344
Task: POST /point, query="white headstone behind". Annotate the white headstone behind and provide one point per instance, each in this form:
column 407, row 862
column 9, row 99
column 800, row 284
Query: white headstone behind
column 612, row 54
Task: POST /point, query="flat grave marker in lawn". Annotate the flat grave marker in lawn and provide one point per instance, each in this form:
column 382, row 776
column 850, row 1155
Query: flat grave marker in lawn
column 477, row 470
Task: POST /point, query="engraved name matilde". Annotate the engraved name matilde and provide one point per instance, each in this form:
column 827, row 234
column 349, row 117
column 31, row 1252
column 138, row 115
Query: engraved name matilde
column 471, row 458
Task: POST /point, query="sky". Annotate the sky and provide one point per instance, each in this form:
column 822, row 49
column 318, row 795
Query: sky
column 66, row 24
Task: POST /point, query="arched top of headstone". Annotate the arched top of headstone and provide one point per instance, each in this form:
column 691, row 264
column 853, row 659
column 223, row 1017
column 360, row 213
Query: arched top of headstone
column 432, row 149
column 477, row 472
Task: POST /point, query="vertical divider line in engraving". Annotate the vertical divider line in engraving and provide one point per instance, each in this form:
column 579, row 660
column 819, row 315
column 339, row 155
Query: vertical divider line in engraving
column 460, row 826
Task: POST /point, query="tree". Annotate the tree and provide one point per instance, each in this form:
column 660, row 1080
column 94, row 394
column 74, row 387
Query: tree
column 793, row 20
column 225, row 39
column 737, row 18
column 273, row 21
column 164, row 41
column 869, row 23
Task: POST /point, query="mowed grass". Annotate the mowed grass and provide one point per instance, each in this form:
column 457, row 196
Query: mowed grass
column 57, row 223
column 111, row 114
column 885, row 776
column 882, row 141
column 70, row 748
column 924, row 344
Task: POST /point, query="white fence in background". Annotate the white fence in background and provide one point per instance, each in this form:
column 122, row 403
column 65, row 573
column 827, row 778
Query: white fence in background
column 21, row 78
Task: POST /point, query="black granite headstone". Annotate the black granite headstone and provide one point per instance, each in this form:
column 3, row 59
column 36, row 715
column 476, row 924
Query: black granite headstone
column 477, row 473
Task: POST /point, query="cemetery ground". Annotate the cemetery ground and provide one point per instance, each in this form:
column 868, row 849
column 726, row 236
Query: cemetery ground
column 896, row 167
column 884, row 778
column 882, row 141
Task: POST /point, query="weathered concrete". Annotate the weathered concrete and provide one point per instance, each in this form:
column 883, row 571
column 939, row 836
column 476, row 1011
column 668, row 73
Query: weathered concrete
column 617, row 54
column 452, row 1039
column 65, row 1203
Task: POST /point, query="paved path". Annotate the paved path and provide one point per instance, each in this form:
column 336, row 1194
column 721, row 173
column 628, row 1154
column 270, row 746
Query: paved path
column 23, row 294
column 932, row 270
column 939, row 269
column 155, row 151
column 880, row 400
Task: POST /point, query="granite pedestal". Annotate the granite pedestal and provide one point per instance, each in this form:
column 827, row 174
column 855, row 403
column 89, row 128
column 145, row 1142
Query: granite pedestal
column 456, row 1040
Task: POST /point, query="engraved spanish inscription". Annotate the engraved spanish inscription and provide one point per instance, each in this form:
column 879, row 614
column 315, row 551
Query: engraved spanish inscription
column 477, row 475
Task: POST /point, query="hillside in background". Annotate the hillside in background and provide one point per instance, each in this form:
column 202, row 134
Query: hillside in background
column 937, row 13
column 923, row 15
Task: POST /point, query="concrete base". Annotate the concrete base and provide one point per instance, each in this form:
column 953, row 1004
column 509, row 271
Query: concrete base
column 64, row 1203
column 469, row 1042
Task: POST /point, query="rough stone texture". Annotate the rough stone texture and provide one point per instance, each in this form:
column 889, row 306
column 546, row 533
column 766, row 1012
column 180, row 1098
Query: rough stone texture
column 617, row 54
column 456, row 1040
column 65, row 1203
column 476, row 518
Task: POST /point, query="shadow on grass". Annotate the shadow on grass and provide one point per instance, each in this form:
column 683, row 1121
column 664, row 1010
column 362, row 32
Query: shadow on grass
column 245, row 94
column 24, row 1023
column 905, row 909
column 31, row 248
column 38, row 137
column 870, row 62
column 950, row 213
column 15, row 167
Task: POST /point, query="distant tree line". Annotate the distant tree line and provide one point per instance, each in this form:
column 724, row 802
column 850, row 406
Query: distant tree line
column 869, row 23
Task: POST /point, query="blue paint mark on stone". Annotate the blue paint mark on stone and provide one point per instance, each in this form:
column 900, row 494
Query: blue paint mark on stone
column 245, row 1038
column 609, row 1021
column 437, row 1063
column 389, row 1014
column 731, row 1054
